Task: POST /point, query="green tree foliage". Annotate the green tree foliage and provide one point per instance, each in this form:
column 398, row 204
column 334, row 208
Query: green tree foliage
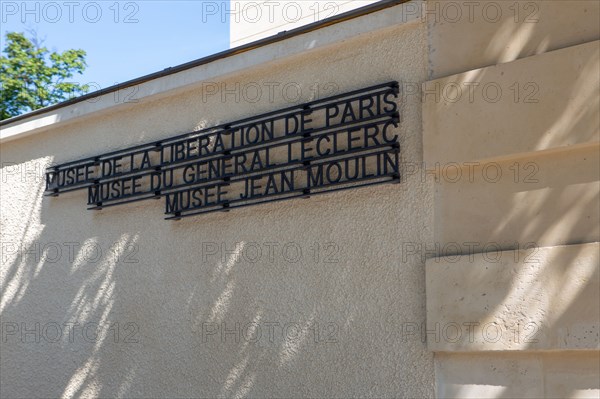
column 32, row 77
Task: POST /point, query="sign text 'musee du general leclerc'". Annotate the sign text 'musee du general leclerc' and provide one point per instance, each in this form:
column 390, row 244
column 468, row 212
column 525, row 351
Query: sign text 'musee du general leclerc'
column 337, row 143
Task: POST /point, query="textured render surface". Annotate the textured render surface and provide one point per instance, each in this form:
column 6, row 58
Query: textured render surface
column 327, row 324
column 509, row 176
column 518, row 375
column 538, row 103
column 466, row 35
column 538, row 299
column 208, row 77
column 197, row 292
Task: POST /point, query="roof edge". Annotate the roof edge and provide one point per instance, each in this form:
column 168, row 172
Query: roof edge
column 383, row 4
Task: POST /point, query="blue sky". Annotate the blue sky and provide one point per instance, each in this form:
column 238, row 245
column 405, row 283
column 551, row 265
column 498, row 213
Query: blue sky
column 123, row 39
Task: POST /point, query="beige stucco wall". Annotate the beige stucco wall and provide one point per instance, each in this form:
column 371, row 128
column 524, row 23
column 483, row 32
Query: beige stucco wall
column 523, row 375
column 366, row 310
column 466, row 35
column 511, row 144
column 477, row 303
column 167, row 279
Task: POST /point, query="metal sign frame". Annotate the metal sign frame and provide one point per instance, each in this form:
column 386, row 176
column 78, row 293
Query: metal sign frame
column 332, row 144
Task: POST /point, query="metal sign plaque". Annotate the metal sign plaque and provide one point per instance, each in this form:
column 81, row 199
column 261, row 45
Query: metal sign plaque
column 336, row 143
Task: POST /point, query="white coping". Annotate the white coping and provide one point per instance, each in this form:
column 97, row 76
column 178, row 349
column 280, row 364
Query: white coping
column 387, row 18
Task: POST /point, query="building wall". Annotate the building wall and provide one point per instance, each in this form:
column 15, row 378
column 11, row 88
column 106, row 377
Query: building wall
column 511, row 141
column 334, row 311
column 388, row 277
